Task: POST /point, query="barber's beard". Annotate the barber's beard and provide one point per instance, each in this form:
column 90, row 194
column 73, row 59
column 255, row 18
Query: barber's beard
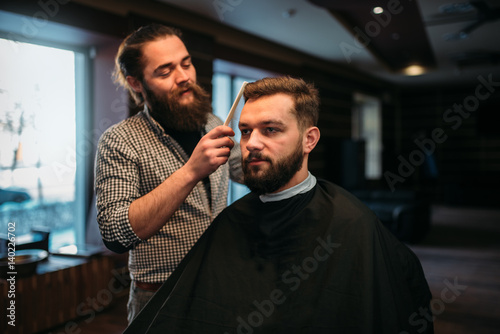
column 277, row 174
column 186, row 117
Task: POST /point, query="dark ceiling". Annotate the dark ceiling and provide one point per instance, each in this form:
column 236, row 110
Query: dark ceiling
column 454, row 40
column 396, row 36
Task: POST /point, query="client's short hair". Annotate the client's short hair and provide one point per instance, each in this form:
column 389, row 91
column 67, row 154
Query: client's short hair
column 305, row 96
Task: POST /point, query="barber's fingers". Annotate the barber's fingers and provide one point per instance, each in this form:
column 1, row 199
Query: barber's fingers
column 220, row 131
column 223, row 151
column 206, row 143
column 223, row 142
column 207, row 162
column 212, row 151
column 218, row 137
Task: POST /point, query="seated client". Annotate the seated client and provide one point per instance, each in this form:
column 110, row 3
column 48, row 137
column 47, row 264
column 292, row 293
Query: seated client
column 297, row 254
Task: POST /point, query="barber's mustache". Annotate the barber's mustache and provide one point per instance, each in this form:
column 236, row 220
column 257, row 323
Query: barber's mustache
column 192, row 86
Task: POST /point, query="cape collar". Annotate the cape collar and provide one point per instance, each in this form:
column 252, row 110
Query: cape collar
column 300, row 188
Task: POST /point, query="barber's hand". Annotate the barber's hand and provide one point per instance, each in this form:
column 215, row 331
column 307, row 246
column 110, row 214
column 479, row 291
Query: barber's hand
column 212, row 150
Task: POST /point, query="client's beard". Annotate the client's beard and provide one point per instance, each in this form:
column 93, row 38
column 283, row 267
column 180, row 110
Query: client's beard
column 277, row 174
column 167, row 110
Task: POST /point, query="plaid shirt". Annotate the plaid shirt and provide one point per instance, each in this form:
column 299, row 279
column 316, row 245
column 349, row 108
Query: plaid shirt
column 133, row 158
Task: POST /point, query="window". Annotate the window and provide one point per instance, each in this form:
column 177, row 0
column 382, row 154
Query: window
column 226, row 83
column 367, row 126
column 41, row 130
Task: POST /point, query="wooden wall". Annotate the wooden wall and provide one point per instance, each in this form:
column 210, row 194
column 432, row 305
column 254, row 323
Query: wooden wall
column 62, row 290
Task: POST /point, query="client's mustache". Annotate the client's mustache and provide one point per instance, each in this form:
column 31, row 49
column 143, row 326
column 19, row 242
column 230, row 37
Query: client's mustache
column 257, row 156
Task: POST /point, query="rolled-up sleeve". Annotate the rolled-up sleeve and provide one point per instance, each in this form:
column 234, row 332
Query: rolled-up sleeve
column 116, row 186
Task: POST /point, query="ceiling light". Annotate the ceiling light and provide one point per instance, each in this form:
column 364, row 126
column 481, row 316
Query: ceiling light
column 414, row 70
column 378, row 10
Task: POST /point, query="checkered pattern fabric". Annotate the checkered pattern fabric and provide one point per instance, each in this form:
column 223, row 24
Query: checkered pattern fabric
column 133, row 158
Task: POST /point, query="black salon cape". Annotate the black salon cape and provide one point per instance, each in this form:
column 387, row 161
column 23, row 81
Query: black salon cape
column 316, row 263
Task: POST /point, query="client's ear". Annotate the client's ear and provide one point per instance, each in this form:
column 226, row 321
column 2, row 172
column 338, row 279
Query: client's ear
column 311, row 138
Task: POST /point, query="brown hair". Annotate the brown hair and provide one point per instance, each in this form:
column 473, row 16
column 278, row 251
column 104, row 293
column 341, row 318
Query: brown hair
column 305, row 96
column 129, row 61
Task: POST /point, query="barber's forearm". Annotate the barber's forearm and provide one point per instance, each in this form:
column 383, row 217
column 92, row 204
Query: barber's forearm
column 149, row 213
